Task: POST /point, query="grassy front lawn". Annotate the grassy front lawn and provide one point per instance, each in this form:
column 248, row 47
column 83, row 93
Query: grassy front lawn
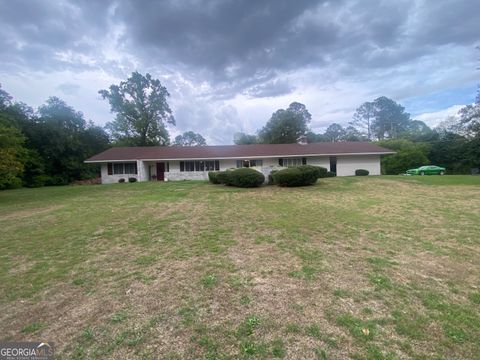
column 361, row 268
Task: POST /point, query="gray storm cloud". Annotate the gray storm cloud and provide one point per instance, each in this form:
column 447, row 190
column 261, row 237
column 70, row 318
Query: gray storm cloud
column 226, row 52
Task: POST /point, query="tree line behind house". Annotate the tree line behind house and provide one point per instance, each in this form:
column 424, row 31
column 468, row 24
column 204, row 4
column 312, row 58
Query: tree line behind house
column 47, row 146
column 453, row 144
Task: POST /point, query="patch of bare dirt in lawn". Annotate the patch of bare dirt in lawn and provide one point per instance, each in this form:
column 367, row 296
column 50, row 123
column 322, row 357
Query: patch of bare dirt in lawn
column 151, row 208
column 442, row 271
column 22, row 265
column 289, row 300
column 65, row 310
column 21, row 214
column 258, row 264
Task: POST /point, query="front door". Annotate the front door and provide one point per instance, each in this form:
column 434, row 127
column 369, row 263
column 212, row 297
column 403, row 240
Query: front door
column 333, row 164
column 160, row 171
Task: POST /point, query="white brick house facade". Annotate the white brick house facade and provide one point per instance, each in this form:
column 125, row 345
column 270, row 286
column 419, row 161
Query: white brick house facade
column 172, row 164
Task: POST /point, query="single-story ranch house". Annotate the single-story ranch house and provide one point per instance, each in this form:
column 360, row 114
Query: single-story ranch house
column 167, row 163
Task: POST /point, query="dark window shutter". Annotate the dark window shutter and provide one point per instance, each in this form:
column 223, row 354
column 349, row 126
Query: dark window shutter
column 217, row 165
column 136, row 170
column 304, row 161
column 280, row 162
column 182, row 166
column 110, row 168
column 168, row 166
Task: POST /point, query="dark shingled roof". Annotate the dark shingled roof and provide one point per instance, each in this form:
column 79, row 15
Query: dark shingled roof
column 236, row 151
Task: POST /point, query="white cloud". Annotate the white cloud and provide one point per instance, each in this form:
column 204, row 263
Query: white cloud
column 35, row 87
column 228, row 68
column 432, row 119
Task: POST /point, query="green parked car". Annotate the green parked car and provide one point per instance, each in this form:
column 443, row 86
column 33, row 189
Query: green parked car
column 427, row 170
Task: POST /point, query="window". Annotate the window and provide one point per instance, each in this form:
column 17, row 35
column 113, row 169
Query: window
column 291, row 162
column 127, row 168
column 187, row 165
column 130, row 168
column 211, row 165
column 200, row 165
column 118, row 168
column 249, row 163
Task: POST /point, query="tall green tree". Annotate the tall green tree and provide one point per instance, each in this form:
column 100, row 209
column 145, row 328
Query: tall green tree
column 408, row 155
column 190, row 138
column 381, row 119
column 241, row 138
column 390, row 118
column 363, row 119
column 142, row 111
column 334, row 133
column 12, row 153
column 49, row 146
column 64, row 139
column 352, row 134
column 313, row 137
column 417, row 130
column 451, row 151
column 286, row 126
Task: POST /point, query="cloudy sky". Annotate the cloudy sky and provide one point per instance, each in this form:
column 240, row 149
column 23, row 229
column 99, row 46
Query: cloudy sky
column 229, row 64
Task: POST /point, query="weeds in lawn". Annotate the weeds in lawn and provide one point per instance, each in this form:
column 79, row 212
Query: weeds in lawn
column 359, row 329
column 475, row 297
column 321, row 354
column 209, row 280
column 336, row 270
column 293, row 329
column 187, row 314
column 119, row 316
column 341, row 293
column 32, row 328
column 245, row 300
column 314, row 331
column 278, row 348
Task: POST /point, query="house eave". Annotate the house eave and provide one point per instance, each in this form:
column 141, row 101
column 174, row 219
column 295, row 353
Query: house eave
column 244, row 157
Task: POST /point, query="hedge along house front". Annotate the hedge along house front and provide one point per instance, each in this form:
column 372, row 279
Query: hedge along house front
column 170, row 163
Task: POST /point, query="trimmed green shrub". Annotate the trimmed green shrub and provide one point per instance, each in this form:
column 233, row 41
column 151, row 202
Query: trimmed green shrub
column 320, row 171
column 296, row 176
column 244, row 177
column 323, row 172
column 222, row 176
column 330, row 174
column 212, row 177
column 270, row 177
column 122, row 180
column 361, row 172
column 132, row 179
